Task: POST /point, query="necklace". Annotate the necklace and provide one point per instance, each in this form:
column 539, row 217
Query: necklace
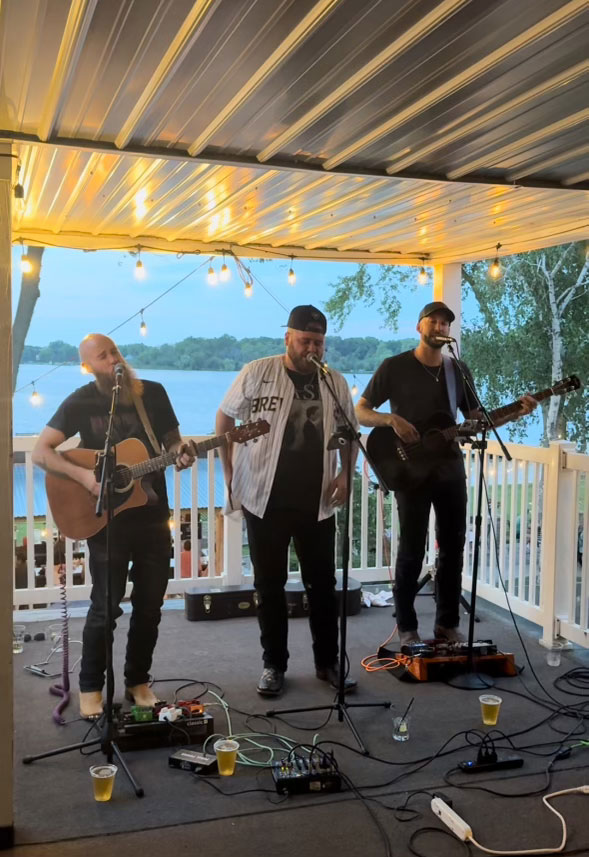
column 434, row 375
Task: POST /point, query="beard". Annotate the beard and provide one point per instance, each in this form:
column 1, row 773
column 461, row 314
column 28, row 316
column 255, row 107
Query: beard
column 129, row 384
column 301, row 364
column 432, row 341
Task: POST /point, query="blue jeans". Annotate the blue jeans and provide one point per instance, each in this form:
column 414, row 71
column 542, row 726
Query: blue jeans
column 314, row 543
column 142, row 537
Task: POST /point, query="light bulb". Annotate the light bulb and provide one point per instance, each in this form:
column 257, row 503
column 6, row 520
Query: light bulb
column 225, row 273
column 292, row 277
column 248, row 290
column 143, row 329
column 211, row 277
column 35, row 399
column 354, row 390
column 422, row 276
column 139, row 270
column 26, row 265
column 495, row 269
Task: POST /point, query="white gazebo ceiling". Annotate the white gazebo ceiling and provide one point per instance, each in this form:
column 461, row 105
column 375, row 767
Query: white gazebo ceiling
column 381, row 130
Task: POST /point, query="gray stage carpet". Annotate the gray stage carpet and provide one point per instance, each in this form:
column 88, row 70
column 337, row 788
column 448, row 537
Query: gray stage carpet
column 179, row 812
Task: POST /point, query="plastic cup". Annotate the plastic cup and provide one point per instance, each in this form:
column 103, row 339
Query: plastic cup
column 18, row 639
column 401, row 728
column 103, row 780
column 226, row 752
column 553, row 654
column 490, row 705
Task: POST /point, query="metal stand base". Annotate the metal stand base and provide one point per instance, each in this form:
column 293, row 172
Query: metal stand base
column 342, row 715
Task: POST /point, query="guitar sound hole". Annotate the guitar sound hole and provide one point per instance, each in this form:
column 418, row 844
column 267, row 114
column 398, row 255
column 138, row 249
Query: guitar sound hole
column 123, row 479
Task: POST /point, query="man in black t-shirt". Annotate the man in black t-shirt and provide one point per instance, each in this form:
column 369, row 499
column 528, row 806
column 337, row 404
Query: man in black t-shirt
column 416, row 386
column 140, row 535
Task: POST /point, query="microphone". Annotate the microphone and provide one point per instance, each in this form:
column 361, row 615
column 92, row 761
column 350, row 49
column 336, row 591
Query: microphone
column 119, row 371
column 316, row 362
column 443, row 339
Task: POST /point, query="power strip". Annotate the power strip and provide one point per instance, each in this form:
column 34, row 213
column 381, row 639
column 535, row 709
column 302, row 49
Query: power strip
column 451, row 819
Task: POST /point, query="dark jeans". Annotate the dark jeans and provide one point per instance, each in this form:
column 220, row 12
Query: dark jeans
column 448, row 498
column 314, row 543
column 139, row 537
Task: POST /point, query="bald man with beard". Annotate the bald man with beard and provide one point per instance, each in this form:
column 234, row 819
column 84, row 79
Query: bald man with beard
column 140, row 535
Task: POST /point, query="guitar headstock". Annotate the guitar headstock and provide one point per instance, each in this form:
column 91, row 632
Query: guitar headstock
column 248, row 431
column 566, row 385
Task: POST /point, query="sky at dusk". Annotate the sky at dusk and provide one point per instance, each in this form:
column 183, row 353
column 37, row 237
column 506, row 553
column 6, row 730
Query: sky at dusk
column 95, row 292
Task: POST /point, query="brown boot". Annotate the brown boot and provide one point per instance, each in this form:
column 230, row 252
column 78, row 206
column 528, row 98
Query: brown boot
column 142, row 695
column 91, row 704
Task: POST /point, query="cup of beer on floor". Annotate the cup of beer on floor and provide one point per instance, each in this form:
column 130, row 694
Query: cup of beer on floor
column 18, row 639
column 226, row 752
column 490, row 705
column 103, row 780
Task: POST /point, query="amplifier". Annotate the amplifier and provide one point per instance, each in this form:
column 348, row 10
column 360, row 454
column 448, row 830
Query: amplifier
column 299, row 776
column 132, row 735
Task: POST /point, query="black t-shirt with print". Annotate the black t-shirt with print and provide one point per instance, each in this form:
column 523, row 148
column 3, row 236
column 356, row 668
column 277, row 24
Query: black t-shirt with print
column 299, row 472
column 85, row 412
column 414, row 393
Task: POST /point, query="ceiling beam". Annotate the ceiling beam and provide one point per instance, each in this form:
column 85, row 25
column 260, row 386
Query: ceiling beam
column 288, row 165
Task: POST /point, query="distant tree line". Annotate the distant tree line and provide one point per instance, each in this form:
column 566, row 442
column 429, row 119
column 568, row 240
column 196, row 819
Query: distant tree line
column 226, row 353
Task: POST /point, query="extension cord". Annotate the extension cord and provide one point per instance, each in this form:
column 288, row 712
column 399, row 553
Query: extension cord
column 451, row 819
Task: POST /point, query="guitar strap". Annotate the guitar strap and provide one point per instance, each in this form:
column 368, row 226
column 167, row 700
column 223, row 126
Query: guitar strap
column 450, row 371
column 140, row 408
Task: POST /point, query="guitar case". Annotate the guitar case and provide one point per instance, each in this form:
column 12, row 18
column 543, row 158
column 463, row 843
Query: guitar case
column 229, row 602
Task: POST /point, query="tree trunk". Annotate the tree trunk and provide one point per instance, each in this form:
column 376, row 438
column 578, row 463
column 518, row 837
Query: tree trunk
column 555, row 403
column 29, row 294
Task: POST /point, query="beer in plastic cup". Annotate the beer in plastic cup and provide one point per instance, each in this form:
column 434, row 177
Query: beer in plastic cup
column 490, row 705
column 18, row 639
column 103, row 780
column 226, row 752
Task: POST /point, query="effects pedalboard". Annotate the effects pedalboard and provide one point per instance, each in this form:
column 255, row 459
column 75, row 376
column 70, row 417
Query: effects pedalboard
column 162, row 726
column 298, row 776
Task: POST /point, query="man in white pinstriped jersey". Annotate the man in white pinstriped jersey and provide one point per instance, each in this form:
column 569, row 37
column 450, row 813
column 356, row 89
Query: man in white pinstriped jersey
column 287, row 486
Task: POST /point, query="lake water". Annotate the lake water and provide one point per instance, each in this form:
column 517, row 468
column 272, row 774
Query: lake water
column 195, row 396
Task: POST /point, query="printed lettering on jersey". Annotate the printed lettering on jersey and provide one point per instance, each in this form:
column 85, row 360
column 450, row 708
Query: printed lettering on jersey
column 266, row 403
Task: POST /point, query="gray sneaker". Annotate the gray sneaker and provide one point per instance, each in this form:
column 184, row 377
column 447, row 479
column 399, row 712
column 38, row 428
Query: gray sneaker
column 452, row 635
column 271, row 682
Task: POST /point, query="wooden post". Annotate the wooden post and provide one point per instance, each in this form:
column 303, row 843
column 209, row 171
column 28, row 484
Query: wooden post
column 6, row 476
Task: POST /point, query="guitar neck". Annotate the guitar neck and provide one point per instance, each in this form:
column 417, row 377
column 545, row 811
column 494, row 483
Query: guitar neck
column 152, row 465
column 515, row 407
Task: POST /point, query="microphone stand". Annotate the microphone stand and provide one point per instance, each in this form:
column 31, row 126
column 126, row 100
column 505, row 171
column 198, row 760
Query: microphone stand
column 107, row 464
column 345, row 436
column 471, row 678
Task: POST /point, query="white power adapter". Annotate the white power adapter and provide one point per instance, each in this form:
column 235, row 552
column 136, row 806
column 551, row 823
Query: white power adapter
column 451, row 819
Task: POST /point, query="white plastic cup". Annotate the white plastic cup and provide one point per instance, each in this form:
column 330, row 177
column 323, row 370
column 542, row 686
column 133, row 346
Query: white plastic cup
column 553, row 654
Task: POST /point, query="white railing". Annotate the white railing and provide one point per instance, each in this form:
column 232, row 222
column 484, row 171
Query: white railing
column 534, row 523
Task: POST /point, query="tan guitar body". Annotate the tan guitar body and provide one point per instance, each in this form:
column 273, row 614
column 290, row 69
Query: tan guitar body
column 74, row 508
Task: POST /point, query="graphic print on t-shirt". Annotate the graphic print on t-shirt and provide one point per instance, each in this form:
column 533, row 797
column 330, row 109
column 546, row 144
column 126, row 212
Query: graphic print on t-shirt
column 299, row 472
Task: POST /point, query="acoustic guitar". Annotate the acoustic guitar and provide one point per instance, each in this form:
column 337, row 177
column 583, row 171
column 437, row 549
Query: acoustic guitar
column 74, row 508
column 407, row 465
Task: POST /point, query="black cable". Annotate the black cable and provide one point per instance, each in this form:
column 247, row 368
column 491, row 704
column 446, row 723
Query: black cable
column 430, row 830
column 372, row 813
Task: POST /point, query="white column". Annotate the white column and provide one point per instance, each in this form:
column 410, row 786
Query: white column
column 6, row 529
column 448, row 288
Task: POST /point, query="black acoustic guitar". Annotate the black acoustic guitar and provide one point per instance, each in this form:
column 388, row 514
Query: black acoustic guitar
column 406, row 465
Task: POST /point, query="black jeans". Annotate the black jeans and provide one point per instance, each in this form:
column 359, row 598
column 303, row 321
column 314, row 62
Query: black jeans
column 448, row 497
column 144, row 539
column 314, row 543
